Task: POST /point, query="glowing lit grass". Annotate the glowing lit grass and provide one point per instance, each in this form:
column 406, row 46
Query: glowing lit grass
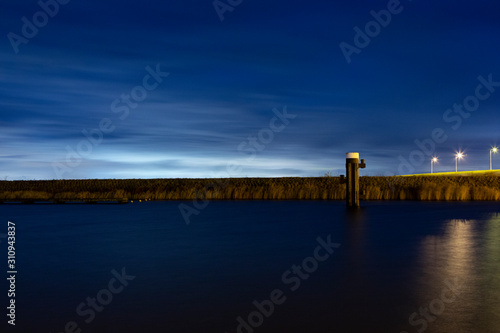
column 459, row 173
column 446, row 186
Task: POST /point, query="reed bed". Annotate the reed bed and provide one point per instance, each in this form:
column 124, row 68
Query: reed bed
column 423, row 188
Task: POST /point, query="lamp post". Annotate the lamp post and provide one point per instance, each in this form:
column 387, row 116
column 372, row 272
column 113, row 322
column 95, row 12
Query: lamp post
column 492, row 150
column 433, row 160
column 458, row 156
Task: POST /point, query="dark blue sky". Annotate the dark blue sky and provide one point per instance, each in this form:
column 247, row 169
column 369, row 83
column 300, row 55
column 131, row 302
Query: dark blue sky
column 215, row 107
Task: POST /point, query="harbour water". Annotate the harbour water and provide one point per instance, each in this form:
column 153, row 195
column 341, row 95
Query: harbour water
column 256, row 266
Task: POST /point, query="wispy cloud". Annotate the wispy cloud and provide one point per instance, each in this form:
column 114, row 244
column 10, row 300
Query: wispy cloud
column 226, row 78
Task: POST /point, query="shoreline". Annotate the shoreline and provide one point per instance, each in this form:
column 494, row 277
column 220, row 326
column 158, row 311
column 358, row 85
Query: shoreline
column 473, row 187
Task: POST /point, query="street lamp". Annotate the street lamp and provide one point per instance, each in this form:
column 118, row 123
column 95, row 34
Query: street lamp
column 492, row 150
column 458, row 156
column 433, row 160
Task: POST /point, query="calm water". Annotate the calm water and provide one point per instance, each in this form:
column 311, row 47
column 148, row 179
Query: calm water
column 396, row 266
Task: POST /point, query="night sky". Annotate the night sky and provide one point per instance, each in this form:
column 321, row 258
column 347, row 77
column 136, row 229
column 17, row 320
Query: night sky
column 252, row 88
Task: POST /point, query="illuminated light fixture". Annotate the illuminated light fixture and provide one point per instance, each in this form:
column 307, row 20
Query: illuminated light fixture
column 433, row 160
column 458, row 156
column 492, row 150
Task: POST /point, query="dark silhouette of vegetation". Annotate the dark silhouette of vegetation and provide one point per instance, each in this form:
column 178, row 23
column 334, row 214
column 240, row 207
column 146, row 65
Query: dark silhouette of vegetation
column 448, row 188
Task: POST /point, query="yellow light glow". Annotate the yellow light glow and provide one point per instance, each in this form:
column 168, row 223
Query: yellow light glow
column 434, row 159
column 460, row 155
column 494, row 149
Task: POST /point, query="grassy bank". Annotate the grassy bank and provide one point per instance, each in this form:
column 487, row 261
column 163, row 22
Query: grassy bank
column 421, row 187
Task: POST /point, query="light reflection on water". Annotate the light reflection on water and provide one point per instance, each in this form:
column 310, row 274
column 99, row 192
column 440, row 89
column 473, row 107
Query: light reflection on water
column 395, row 258
column 466, row 257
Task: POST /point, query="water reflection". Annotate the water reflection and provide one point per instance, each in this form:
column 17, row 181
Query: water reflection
column 396, row 260
column 490, row 274
column 451, row 269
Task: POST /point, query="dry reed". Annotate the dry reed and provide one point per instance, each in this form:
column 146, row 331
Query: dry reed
column 424, row 188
